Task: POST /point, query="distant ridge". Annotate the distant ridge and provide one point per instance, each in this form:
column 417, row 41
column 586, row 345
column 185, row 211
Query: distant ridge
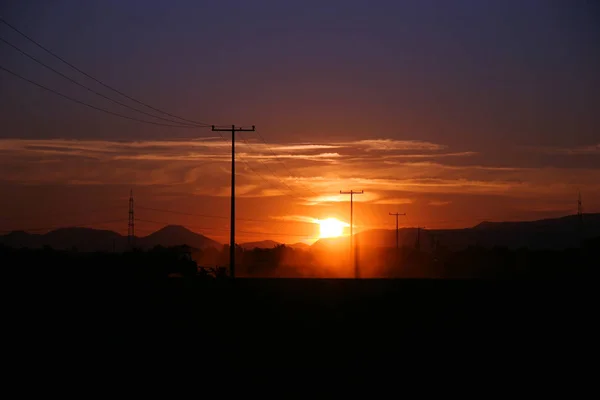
column 269, row 244
column 552, row 233
column 176, row 235
column 299, row 246
column 263, row 244
column 89, row 239
column 81, row 239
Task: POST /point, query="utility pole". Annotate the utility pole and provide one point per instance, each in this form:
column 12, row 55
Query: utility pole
column 352, row 193
column 579, row 208
column 434, row 242
column 233, row 130
column 397, row 215
column 131, row 222
column 580, row 218
column 418, row 242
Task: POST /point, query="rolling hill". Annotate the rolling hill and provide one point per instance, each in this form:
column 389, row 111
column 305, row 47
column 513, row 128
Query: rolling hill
column 263, row 244
column 87, row 239
column 176, row 235
column 299, row 246
column 269, row 244
column 82, row 239
column 554, row 233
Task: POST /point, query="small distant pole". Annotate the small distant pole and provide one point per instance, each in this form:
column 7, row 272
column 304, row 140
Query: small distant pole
column 233, row 130
column 418, row 242
column 397, row 215
column 434, row 242
column 579, row 208
column 352, row 193
column 580, row 218
column 131, row 222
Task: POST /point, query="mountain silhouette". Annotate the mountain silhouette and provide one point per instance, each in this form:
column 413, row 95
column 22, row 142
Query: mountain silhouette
column 263, row 244
column 88, row 239
column 176, row 235
column 331, row 244
column 269, row 244
column 553, row 233
column 22, row 239
column 299, row 246
column 81, row 239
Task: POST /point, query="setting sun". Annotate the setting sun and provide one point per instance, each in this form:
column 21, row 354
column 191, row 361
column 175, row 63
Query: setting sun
column 331, row 227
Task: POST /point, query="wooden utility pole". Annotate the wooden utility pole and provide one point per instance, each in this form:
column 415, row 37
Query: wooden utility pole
column 233, row 130
column 397, row 215
column 131, row 223
column 418, row 242
column 352, row 193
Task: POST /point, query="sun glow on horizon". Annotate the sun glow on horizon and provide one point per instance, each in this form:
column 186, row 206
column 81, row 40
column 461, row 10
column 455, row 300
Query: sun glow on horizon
column 331, row 227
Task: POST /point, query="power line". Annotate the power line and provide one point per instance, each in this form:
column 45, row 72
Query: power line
column 183, row 213
column 226, row 229
column 90, row 89
column 260, row 175
column 252, row 169
column 213, row 216
column 270, row 170
column 97, row 80
column 248, row 165
column 281, row 161
column 61, row 214
column 268, row 182
column 65, row 227
column 89, row 105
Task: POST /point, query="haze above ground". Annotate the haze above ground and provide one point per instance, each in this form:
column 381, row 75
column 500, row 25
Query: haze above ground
column 451, row 112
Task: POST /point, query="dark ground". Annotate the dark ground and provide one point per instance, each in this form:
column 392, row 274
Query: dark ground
column 312, row 322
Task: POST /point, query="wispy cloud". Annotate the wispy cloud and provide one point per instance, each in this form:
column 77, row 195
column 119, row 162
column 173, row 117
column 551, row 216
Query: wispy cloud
column 429, row 164
column 571, row 151
column 296, row 218
column 439, row 203
column 186, row 157
column 394, row 200
column 390, row 144
column 309, row 174
column 302, row 147
column 314, row 200
column 432, row 155
column 317, row 157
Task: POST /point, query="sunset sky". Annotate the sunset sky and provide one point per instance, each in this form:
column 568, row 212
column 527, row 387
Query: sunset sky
column 453, row 112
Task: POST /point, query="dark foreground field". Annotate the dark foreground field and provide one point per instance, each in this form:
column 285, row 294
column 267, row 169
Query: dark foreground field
column 287, row 321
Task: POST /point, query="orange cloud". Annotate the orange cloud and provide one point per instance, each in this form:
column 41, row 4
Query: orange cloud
column 394, row 200
column 303, row 171
column 439, row 203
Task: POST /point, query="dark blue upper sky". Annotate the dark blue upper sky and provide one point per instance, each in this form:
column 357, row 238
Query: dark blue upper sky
column 466, row 73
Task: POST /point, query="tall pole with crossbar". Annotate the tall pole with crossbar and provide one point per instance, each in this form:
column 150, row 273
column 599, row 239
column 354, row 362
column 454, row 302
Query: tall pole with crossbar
column 397, row 215
column 233, row 130
column 352, row 193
